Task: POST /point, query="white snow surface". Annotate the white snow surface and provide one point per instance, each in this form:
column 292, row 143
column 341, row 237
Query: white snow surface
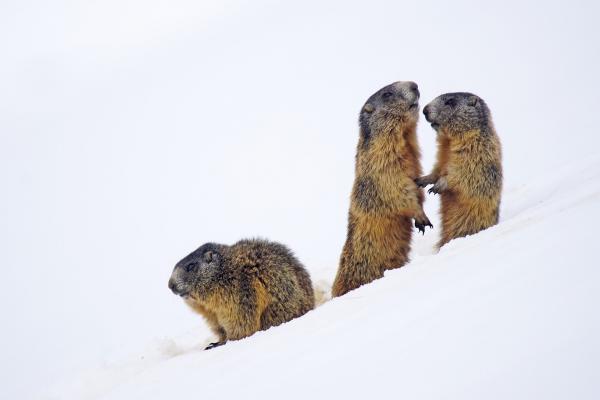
column 133, row 131
column 508, row 313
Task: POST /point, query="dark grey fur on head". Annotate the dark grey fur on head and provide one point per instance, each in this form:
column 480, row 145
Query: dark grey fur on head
column 388, row 105
column 199, row 271
column 458, row 112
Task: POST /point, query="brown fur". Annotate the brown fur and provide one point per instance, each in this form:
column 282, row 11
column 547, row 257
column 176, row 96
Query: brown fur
column 255, row 285
column 468, row 176
column 384, row 200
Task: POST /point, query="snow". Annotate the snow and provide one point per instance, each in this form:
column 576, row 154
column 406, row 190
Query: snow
column 509, row 313
column 133, row 131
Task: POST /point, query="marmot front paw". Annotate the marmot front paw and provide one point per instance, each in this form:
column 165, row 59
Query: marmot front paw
column 213, row 345
column 422, row 222
column 440, row 186
column 424, row 181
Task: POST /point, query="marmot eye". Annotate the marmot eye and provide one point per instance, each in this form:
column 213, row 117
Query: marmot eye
column 387, row 95
column 450, row 102
column 190, row 267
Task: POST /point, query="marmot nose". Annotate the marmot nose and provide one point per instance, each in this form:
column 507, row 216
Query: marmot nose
column 414, row 88
column 172, row 286
column 426, row 111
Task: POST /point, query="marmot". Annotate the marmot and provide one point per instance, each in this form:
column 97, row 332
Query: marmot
column 240, row 289
column 384, row 197
column 468, row 170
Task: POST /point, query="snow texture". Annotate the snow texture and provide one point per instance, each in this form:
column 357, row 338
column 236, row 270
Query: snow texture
column 509, row 313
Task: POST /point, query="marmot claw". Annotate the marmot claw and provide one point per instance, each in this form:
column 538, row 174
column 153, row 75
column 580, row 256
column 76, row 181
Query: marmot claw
column 440, row 186
column 420, row 225
column 213, row 345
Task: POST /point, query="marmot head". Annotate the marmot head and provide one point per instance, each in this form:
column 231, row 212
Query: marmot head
column 196, row 275
column 455, row 113
column 398, row 102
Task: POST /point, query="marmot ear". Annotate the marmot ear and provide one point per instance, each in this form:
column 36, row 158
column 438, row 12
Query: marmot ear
column 369, row 108
column 473, row 101
column 210, row 256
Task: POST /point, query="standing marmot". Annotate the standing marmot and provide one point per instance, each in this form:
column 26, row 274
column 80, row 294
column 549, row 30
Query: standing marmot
column 468, row 170
column 384, row 197
column 240, row 289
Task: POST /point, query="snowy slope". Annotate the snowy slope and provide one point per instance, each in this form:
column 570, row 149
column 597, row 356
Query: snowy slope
column 508, row 313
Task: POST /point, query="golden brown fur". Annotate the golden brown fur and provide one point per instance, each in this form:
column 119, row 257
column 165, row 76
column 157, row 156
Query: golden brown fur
column 240, row 289
column 468, row 170
column 384, row 197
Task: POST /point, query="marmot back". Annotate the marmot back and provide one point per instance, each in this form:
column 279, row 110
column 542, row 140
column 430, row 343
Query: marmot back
column 385, row 198
column 468, row 169
column 240, row 289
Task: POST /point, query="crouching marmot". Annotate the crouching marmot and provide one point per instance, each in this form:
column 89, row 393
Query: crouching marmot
column 468, row 170
column 240, row 289
column 385, row 198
